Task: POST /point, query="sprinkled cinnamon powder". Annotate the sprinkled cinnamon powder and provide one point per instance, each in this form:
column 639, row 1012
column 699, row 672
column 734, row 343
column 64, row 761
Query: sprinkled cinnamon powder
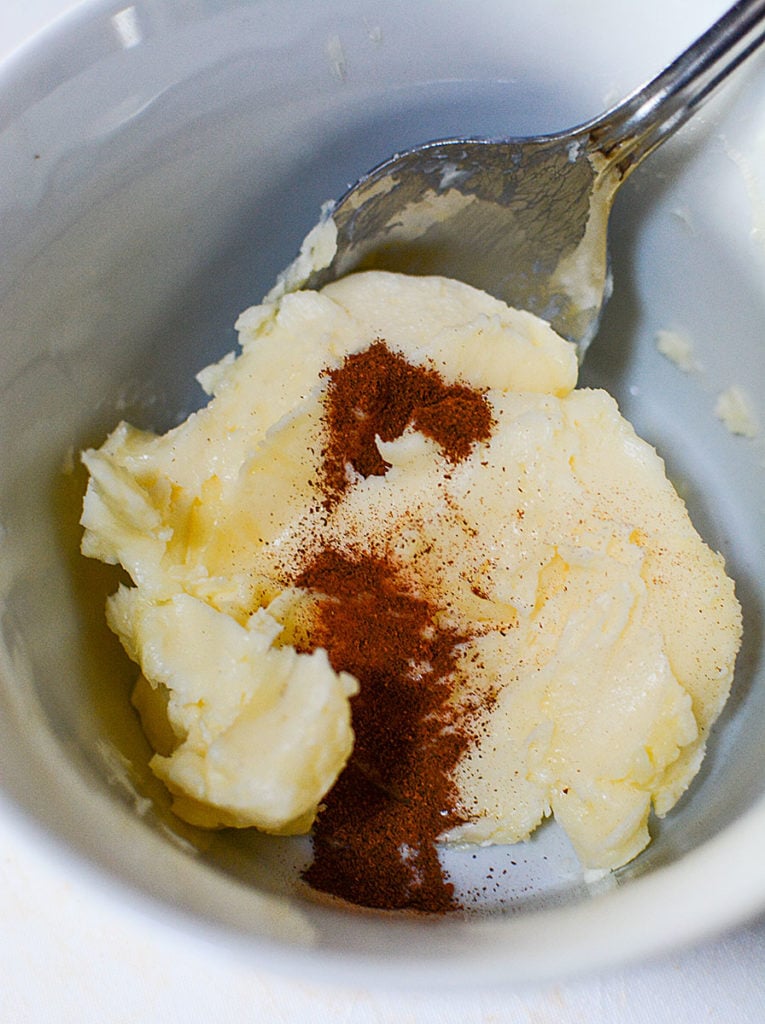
column 375, row 838
column 377, row 393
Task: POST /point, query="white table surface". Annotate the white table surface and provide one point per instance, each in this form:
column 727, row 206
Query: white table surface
column 69, row 955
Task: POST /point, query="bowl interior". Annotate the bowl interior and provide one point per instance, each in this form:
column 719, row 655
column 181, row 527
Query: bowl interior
column 163, row 161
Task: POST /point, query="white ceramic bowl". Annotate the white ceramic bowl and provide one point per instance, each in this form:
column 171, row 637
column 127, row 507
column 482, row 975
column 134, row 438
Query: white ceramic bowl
column 161, row 161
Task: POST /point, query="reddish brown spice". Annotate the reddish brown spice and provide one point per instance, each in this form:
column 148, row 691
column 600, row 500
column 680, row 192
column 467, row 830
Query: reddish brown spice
column 376, row 392
column 375, row 838
column 374, row 841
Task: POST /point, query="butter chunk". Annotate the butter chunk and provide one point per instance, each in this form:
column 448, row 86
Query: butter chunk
column 600, row 632
column 603, row 624
column 261, row 731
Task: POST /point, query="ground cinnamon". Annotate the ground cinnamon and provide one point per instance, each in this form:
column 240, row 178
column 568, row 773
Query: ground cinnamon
column 374, row 840
column 377, row 393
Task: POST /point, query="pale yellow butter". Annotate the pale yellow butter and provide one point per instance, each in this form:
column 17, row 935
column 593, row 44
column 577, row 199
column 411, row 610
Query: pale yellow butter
column 607, row 627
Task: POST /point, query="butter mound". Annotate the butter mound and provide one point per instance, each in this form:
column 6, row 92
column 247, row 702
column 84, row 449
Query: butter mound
column 260, row 731
column 601, row 629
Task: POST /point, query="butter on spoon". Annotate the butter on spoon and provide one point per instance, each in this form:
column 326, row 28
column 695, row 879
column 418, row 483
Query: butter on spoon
column 526, row 219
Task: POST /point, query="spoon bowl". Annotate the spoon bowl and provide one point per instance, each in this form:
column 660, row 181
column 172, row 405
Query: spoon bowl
column 527, row 219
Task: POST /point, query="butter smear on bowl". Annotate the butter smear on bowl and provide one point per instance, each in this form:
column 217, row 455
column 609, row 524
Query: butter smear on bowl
column 401, row 583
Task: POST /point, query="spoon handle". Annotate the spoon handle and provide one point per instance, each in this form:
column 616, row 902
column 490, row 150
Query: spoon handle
column 630, row 131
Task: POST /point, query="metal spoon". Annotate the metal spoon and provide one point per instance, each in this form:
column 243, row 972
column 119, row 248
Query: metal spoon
column 526, row 219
